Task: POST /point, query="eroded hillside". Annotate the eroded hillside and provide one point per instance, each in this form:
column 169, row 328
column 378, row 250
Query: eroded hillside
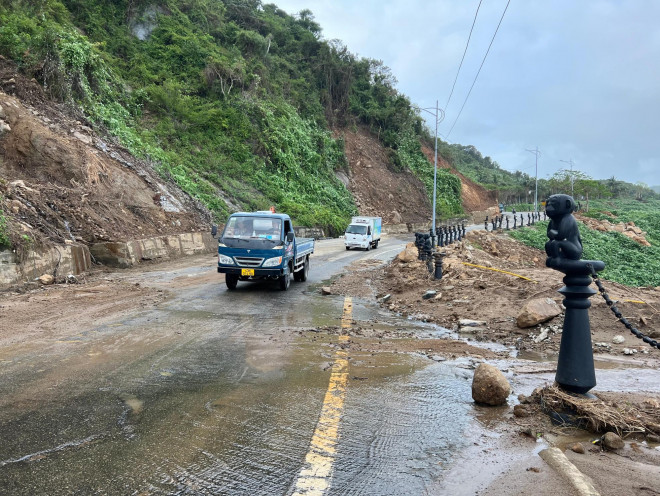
column 397, row 197
column 61, row 181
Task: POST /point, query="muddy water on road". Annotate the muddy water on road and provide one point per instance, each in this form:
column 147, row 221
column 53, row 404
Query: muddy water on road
column 227, row 410
column 217, row 392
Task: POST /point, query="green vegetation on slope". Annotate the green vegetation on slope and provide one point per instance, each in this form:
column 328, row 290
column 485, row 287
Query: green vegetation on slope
column 232, row 99
column 627, row 262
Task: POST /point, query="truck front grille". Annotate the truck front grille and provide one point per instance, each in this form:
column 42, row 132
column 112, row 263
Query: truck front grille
column 248, row 261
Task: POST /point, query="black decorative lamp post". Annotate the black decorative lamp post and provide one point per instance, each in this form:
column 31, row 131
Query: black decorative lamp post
column 575, row 366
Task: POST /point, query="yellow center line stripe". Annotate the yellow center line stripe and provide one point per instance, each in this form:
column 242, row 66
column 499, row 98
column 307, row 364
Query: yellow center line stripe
column 315, row 475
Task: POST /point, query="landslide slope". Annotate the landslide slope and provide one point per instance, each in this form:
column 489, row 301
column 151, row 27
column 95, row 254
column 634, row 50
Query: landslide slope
column 397, row 197
column 61, row 181
column 132, row 118
column 474, row 196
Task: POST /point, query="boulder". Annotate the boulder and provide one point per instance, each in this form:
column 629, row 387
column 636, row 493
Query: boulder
column 46, row 279
column 489, row 386
column 612, row 441
column 396, row 217
column 618, row 339
column 521, row 411
column 409, row 254
column 537, row 311
column 578, row 448
column 325, row 290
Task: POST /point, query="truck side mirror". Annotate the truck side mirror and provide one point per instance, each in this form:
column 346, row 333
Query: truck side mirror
column 368, row 231
column 214, row 230
column 289, row 236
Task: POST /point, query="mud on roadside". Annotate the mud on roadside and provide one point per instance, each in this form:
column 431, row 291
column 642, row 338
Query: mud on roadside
column 489, row 277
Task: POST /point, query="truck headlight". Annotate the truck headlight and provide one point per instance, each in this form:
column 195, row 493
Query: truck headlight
column 273, row 262
column 225, row 260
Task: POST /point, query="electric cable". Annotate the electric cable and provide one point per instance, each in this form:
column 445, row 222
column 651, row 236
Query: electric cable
column 464, row 52
column 480, row 67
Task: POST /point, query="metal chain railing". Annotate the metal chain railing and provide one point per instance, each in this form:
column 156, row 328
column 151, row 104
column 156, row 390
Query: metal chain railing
column 636, row 332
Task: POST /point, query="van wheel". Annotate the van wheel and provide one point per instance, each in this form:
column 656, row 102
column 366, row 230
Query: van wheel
column 285, row 281
column 231, row 280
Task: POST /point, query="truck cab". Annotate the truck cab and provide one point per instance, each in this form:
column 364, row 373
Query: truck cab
column 262, row 245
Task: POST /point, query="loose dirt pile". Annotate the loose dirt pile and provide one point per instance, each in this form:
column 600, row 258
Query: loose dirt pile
column 489, row 278
column 62, row 181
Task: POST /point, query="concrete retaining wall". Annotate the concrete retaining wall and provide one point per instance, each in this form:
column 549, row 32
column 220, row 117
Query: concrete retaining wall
column 309, row 232
column 406, row 228
column 57, row 260
column 127, row 254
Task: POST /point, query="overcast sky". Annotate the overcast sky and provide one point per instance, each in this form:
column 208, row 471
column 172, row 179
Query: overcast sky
column 578, row 79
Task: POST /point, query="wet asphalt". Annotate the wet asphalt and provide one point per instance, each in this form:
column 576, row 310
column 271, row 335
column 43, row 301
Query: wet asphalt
column 211, row 392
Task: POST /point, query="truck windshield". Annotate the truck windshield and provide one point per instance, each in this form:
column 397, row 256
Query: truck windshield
column 253, row 227
column 356, row 229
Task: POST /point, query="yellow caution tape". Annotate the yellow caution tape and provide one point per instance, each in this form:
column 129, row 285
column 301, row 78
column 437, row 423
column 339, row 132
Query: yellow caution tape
column 498, row 270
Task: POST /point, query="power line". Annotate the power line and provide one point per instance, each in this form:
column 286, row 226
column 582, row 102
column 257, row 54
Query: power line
column 479, row 71
column 464, row 52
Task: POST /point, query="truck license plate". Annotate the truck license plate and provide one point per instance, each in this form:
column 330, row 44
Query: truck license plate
column 247, row 272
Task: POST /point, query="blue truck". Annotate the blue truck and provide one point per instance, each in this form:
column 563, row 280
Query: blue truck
column 262, row 245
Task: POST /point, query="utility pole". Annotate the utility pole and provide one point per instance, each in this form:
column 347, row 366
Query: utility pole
column 570, row 162
column 536, row 153
column 439, row 115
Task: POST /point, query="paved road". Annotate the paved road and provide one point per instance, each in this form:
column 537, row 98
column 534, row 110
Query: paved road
column 219, row 392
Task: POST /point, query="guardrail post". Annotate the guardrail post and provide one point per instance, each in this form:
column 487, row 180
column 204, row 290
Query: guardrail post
column 575, row 365
column 438, row 264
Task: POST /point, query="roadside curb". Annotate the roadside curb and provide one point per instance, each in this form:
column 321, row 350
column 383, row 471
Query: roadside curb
column 562, row 465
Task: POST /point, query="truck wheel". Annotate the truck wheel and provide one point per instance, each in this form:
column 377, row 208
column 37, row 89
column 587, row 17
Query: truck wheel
column 231, row 280
column 376, row 245
column 305, row 271
column 368, row 247
column 348, row 247
column 285, row 281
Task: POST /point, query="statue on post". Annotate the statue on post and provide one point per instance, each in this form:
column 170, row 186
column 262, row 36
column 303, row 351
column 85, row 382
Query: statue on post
column 575, row 364
column 564, row 240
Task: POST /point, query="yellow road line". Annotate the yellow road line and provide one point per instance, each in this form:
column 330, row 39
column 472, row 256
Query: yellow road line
column 315, row 476
column 636, row 301
column 498, row 270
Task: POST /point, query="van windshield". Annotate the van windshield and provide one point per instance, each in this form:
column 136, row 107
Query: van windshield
column 253, row 227
column 356, row 229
